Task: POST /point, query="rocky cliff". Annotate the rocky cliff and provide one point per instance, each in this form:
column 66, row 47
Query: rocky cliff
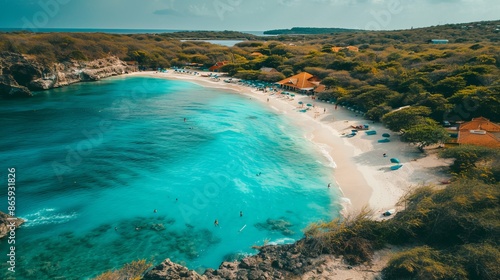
column 20, row 74
column 4, row 224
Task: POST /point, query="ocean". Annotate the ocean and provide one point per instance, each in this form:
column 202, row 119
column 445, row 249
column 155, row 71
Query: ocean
column 115, row 30
column 132, row 168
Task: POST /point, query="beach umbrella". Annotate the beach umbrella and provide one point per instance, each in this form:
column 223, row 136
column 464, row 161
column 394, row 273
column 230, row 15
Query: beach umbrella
column 308, row 104
column 300, row 102
column 292, row 95
column 386, row 135
column 394, row 160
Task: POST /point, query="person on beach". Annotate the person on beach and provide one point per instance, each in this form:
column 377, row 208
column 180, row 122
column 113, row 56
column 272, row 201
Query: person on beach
column 216, row 223
column 324, row 111
column 336, row 106
column 268, row 100
column 384, row 155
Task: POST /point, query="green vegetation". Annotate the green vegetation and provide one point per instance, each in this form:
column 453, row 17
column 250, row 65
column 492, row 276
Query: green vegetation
column 474, row 162
column 450, row 233
column 308, row 30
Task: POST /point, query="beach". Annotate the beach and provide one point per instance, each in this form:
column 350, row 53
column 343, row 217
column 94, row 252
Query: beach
column 362, row 172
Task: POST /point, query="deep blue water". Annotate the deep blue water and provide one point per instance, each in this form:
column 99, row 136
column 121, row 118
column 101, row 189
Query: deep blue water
column 94, row 160
column 113, row 31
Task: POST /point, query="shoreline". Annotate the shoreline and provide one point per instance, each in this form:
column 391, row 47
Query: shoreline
column 362, row 173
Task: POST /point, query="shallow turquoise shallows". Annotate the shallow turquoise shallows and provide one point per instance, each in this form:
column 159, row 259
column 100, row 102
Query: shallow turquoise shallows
column 141, row 168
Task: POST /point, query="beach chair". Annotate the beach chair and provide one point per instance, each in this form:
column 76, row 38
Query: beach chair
column 371, row 132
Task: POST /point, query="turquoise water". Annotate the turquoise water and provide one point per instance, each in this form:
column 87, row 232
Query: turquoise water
column 94, row 160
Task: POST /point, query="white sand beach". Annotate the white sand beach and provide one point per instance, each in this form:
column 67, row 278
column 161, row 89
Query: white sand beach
column 362, row 172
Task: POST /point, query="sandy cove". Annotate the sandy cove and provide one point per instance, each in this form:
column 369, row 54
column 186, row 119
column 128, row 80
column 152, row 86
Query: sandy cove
column 362, row 173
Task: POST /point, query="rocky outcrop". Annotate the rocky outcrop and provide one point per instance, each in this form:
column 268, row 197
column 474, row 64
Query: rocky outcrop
column 19, row 74
column 5, row 223
column 169, row 270
column 272, row 262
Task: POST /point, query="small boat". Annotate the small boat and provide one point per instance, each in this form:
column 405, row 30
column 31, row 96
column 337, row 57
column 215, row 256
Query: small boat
column 396, row 167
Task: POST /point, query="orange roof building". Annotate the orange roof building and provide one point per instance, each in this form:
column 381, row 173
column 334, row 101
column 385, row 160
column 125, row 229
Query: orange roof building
column 349, row 48
column 353, row 48
column 302, row 81
column 217, row 66
column 481, row 132
column 257, row 54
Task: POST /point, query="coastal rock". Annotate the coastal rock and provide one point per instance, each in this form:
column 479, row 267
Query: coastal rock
column 290, row 261
column 168, row 270
column 4, row 224
column 20, row 74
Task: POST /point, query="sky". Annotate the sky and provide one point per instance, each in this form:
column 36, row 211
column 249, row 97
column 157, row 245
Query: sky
column 242, row 15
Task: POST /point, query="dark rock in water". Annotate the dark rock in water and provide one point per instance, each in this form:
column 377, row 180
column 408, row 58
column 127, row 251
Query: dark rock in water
column 9, row 88
column 280, row 225
column 234, row 257
column 5, row 223
column 169, row 270
column 157, row 227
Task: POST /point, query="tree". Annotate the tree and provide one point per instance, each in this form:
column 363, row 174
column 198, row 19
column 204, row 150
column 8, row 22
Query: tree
column 438, row 105
column 329, row 82
column 247, row 74
column 478, row 101
column 473, row 161
column 376, row 113
column 405, row 118
column 142, row 57
column 273, row 61
column 327, row 48
column 375, row 96
column 271, row 77
column 448, row 86
column 425, row 134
